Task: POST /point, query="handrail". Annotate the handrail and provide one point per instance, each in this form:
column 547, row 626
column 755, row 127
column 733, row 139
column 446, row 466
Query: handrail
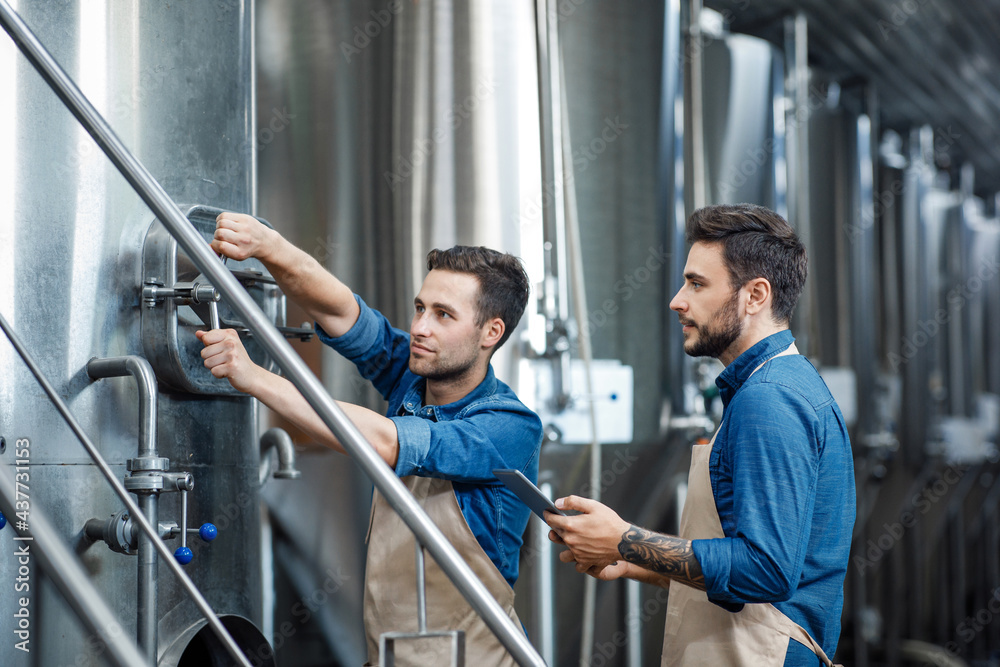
column 134, row 511
column 72, row 581
column 391, row 488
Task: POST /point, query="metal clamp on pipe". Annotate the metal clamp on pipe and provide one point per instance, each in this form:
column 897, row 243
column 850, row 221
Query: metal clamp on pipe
column 154, row 293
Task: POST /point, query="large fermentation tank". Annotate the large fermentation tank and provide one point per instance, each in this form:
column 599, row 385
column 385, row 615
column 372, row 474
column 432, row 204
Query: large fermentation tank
column 175, row 81
column 411, row 128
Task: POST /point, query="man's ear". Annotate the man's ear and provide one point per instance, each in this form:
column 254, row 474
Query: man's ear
column 492, row 332
column 759, row 290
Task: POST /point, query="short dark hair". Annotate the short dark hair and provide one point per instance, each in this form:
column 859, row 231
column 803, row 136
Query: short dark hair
column 757, row 243
column 503, row 283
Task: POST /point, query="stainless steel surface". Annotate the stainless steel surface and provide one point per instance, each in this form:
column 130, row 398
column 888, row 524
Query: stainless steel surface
column 544, row 593
column 670, row 203
column 696, row 174
column 171, row 315
column 174, row 80
column 146, row 616
column 798, row 124
column 42, row 541
column 134, row 511
column 147, row 499
column 633, row 623
column 417, row 140
column 421, row 590
column 388, row 641
column 933, row 61
column 741, row 155
column 555, row 179
column 293, row 366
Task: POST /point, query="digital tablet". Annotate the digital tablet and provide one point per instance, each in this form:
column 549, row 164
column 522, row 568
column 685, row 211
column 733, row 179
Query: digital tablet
column 526, row 491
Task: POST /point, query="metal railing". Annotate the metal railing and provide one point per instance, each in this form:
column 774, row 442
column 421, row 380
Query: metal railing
column 64, row 569
column 426, row 532
column 133, row 507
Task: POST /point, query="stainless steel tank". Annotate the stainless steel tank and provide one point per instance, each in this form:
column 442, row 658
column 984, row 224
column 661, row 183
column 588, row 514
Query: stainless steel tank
column 175, row 81
column 407, row 132
column 417, row 126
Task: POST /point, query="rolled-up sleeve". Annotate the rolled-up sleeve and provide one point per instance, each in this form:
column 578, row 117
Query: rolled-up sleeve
column 470, row 448
column 772, row 455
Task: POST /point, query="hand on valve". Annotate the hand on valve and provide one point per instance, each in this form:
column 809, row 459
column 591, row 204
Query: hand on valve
column 226, row 357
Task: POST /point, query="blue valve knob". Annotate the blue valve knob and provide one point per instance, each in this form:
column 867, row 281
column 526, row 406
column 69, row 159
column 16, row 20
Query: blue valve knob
column 208, row 532
column 183, row 555
column 3, row 521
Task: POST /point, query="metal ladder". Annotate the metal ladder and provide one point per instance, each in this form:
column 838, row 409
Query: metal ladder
column 392, row 489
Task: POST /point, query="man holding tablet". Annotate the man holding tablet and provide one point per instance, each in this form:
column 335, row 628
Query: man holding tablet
column 756, row 575
column 449, row 424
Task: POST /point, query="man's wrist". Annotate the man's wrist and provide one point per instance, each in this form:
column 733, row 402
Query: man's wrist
column 664, row 554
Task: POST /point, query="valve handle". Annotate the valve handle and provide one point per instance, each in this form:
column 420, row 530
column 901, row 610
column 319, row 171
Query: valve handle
column 208, row 532
column 183, row 555
column 3, row 521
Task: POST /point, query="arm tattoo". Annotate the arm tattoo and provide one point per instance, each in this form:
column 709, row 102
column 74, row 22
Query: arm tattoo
column 669, row 556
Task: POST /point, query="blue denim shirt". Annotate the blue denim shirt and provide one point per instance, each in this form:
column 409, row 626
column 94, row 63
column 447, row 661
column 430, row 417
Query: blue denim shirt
column 782, row 475
column 463, row 441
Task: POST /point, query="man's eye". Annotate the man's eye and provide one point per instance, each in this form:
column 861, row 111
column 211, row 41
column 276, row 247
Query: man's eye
column 419, row 309
column 444, row 314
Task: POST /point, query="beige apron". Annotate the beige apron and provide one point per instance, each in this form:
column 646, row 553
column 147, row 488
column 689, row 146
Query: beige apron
column 699, row 632
column 391, row 583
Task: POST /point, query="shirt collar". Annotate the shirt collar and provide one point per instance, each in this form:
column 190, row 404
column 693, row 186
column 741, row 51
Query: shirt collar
column 413, row 401
column 735, row 374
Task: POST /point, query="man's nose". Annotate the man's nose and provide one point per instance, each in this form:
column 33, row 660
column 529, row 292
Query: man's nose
column 677, row 303
column 419, row 325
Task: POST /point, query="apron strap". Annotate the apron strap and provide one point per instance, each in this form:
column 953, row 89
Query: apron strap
column 799, row 634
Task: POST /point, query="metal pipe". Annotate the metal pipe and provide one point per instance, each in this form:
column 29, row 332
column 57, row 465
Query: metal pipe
column 148, row 501
column 119, row 488
column 695, row 81
column 279, row 439
column 421, row 590
column 145, row 378
column 73, row 582
column 633, row 623
column 555, row 286
column 273, row 342
column 797, row 140
column 574, row 252
column 146, row 618
column 545, row 584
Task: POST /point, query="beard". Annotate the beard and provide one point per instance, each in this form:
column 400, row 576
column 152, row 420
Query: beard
column 451, row 367
column 715, row 338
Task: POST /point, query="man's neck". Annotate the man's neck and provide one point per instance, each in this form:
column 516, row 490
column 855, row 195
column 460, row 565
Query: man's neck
column 443, row 392
column 750, row 338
